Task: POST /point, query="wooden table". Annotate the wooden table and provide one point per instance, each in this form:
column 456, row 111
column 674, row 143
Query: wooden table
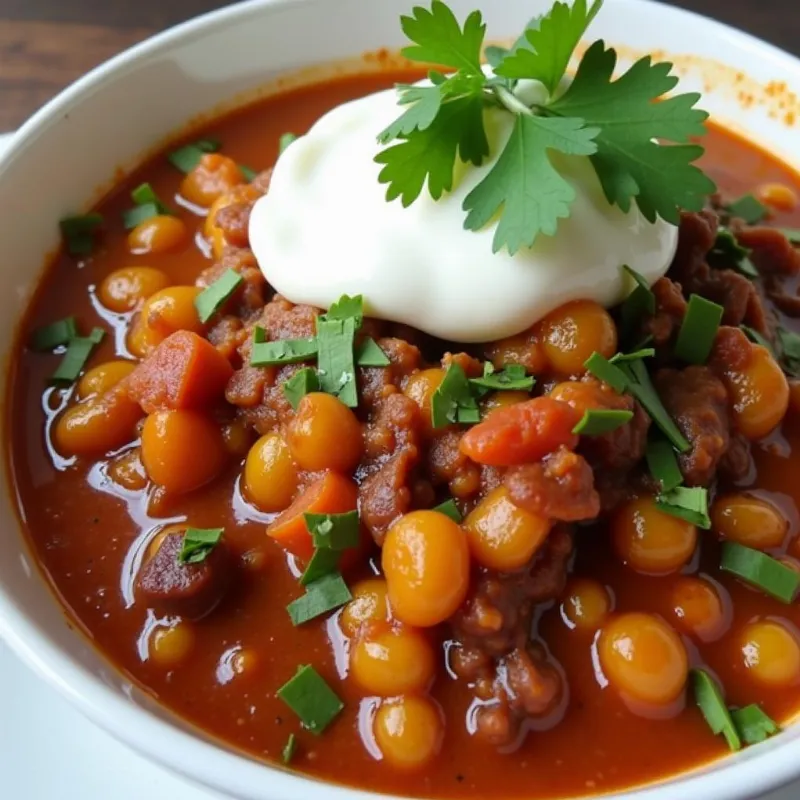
column 46, row 44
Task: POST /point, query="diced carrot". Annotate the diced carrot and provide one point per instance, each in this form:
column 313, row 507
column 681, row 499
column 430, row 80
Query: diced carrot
column 331, row 494
column 522, row 433
column 184, row 371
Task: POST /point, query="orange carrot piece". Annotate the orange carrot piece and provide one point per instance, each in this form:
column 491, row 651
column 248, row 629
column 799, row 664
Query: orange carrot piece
column 522, row 433
column 184, row 371
column 331, row 494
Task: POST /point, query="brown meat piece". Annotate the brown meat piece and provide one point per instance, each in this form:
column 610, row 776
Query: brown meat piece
column 448, row 465
column 670, row 310
column 233, row 220
column 249, row 296
column 560, row 487
column 226, row 336
column 187, row 590
column 377, row 383
column 394, row 425
column 698, row 402
column 772, row 252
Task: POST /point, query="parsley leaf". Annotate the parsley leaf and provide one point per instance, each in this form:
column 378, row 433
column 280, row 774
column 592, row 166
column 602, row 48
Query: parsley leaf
column 525, row 184
column 550, row 44
column 629, row 163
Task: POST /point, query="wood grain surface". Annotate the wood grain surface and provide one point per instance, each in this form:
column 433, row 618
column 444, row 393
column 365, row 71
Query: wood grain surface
column 46, row 44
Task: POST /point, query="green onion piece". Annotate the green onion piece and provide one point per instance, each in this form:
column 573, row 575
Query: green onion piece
column 728, row 253
column 211, row 299
column 597, row 421
column 248, row 172
column 607, row 372
column 285, row 140
column 285, row 351
column 453, row 400
column 792, row 234
column 300, row 384
column 144, row 193
column 78, row 232
column 748, row 208
column 78, row 351
column 449, row 509
column 760, row 571
column 345, row 308
column 698, row 330
column 708, row 697
column 56, row 334
column 757, row 338
column 753, row 724
column 689, row 503
column 635, row 355
column 789, row 343
column 321, row 563
column 640, row 303
column 186, row 158
column 132, row 217
column 641, row 387
column 335, row 362
column 308, row 696
column 287, row 754
column 322, row 595
column 663, row 464
column 511, row 378
column 369, row 354
column 198, row 544
column 334, row 531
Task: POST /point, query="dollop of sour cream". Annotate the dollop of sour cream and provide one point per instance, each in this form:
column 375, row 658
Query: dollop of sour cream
column 325, row 229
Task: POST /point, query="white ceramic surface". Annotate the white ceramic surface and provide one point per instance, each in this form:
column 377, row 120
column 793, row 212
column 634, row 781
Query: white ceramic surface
column 118, row 112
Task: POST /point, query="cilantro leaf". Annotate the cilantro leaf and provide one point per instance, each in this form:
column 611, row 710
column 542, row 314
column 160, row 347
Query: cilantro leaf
column 430, row 154
column 439, row 39
column 628, row 162
column 524, row 183
column 424, row 101
column 550, row 44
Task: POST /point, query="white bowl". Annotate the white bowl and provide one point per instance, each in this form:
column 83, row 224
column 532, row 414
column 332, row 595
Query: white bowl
column 122, row 110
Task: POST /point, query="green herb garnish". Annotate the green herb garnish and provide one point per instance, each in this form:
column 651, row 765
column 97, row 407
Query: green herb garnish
column 248, row 172
column 708, row 697
column 453, row 401
column 186, row 158
column 78, row 351
column 792, row 234
column 308, row 696
column 607, row 372
column 198, row 544
column 641, row 302
column 322, row 595
column 332, row 534
column 757, row 338
column 640, row 148
column 449, row 509
column 760, row 571
column 79, row 232
column 347, row 307
column 336, row 366
column 56, row 334
column 285, row 351
column 663, row 464
column 689, row 503
column 748, row 208
column 285, row 140
column 287, row 754
column 789, row 344
column 369, row 354
column 147, row 206
column 213, row 297
column 698, row 330
column 635, row 355
column 597, row 421
column 753, row 725
column 299, row 385
column 727, row 252
column 511, row 378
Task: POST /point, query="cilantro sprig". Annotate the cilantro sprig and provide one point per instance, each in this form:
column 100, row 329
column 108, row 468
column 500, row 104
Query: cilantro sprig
column 641, row 150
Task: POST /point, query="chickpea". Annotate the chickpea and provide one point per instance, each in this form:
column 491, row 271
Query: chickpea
column 698, row 608
column 425, row 560
column 420, row 388
column 159, row 234
column 649, row 540
column 325, row 434
column 128, row 472
column 171, row 310
column 749, row 520
column 778, row 196
column 501, row 535
column 237, row 438
column 643, row 657
column 408, row 731
column 572, row 332
column 586, row 604
column 244, row 662
column 392, row 661
column 771, row 653
column 169, row 647
column 524, row 348
column 368, row 606
column 759, row 393
column 503, row 400
column 97, row 426
column 142, row 340
column 182, row 450
column 103, row 377
column 214, row 176
column 125, row 289
column 270, row 475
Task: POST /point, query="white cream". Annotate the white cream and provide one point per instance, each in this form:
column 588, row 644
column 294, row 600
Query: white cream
column 325, row 229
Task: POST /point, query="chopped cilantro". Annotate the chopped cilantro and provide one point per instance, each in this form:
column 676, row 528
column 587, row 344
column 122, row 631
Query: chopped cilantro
column 186, row 158
column 212, row 298
column 336, row 367
column 663, row 464
column 79, row 232
column 748, row 208
column 322, row 595
column 300, row 384
column 309, row 696
column 698, row 330
column 708, row 697
column 78, row 351
column 284, row 351
column 285, row 140
column 753, row 725
column 511, row 378
column 597, row 421
column 56, row 334
column 761, row 571
column 449, row 509
column 369, row 354
column 689, row 503
column 198, row 544
column 453, row 401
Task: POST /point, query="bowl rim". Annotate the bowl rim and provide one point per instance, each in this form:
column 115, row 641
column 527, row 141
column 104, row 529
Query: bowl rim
column 216, row 766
